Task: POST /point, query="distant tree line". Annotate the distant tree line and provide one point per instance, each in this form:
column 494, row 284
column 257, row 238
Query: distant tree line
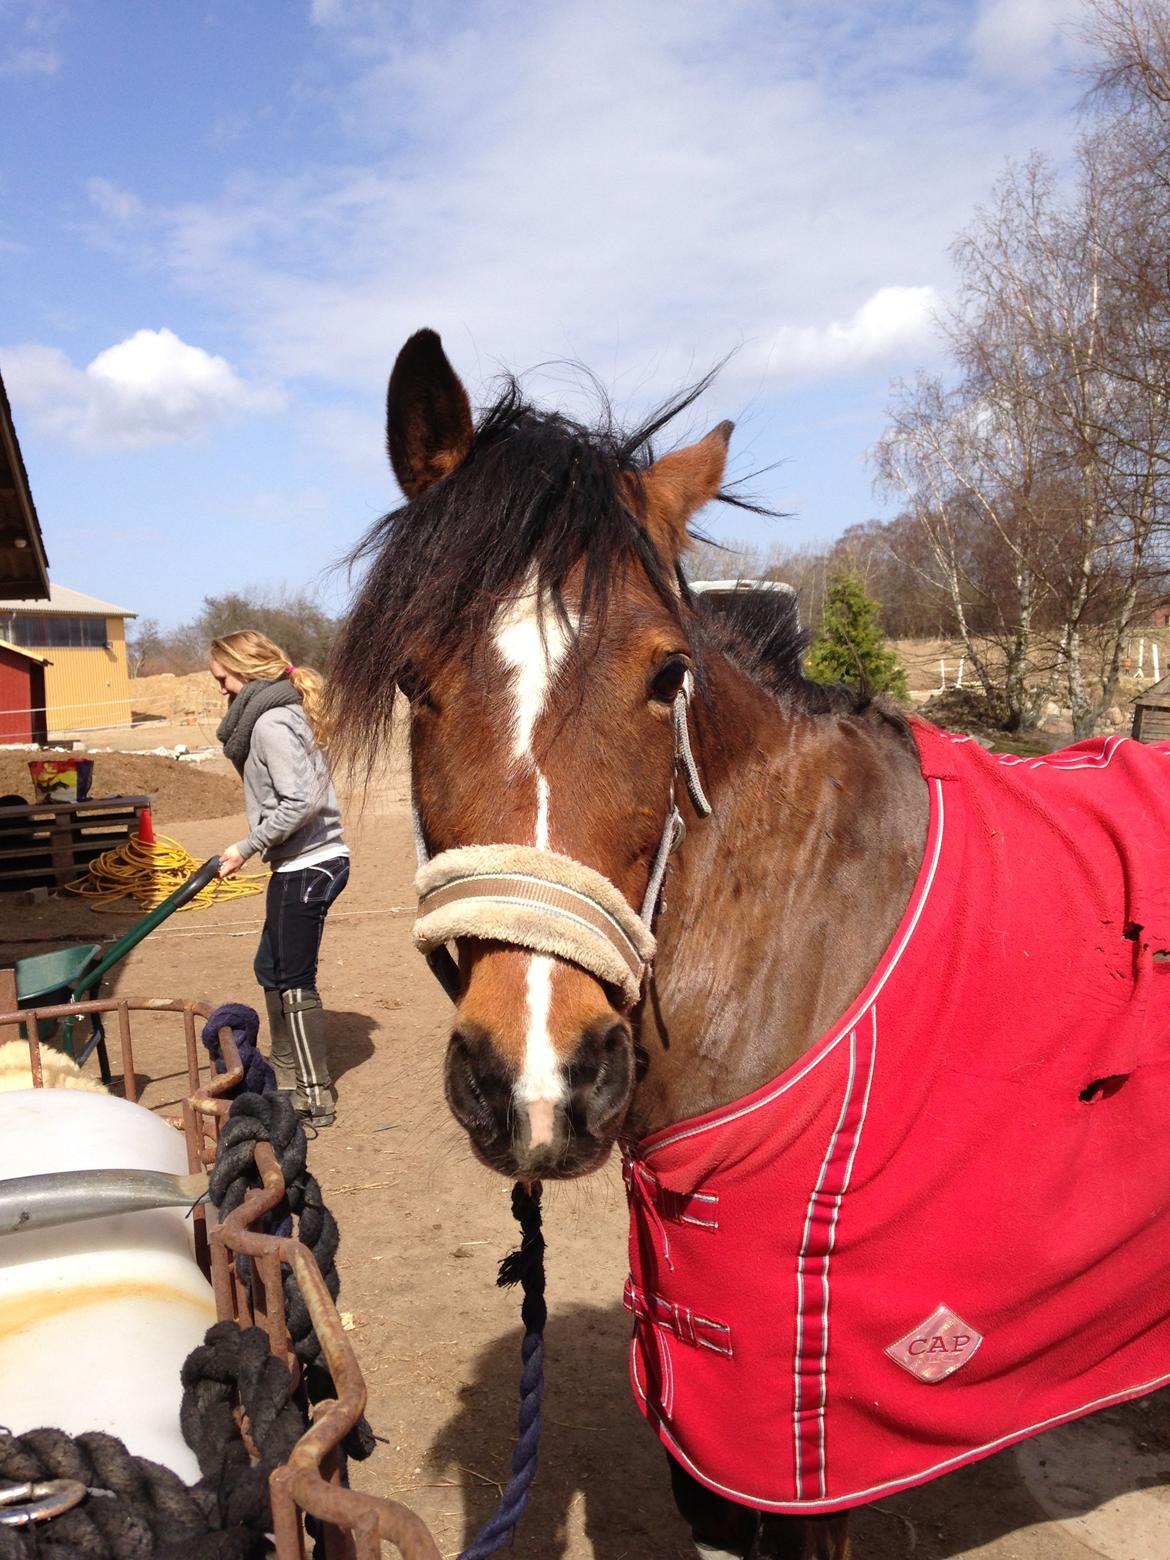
column 294, row 620
column 878, row 554
column 1035, row 476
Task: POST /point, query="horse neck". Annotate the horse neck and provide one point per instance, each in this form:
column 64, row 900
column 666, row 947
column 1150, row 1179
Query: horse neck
column 780, row 904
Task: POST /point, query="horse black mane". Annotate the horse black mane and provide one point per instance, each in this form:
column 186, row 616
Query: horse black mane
column 537, row 495
column 760, row 631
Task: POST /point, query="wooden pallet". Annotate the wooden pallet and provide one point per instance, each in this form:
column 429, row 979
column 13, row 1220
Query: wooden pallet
column 51, row 843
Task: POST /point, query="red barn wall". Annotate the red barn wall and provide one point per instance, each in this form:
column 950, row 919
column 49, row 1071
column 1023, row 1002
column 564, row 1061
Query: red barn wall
column 22, row 696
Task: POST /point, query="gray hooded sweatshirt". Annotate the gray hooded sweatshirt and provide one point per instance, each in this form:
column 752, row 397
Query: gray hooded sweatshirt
column 288, row 795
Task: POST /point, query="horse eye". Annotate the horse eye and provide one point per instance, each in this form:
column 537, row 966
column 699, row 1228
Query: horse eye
column 411, row 686
column 668, row 683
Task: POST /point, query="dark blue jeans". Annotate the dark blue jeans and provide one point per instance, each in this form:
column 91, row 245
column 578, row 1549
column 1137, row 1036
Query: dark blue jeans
column 294, row 921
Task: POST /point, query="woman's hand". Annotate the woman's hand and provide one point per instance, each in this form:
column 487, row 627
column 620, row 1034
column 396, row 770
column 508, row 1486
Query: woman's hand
column 230, row 861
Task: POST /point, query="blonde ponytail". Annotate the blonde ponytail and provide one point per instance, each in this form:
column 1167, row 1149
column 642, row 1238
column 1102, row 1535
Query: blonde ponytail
column 253, row 657
column 311, row 687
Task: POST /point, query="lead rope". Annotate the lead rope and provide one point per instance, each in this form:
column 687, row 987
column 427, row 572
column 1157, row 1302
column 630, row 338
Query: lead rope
column 525, row 1265
column 682, row 750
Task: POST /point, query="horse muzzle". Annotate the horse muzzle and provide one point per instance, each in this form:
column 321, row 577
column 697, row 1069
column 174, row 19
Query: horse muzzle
column 545, row 1138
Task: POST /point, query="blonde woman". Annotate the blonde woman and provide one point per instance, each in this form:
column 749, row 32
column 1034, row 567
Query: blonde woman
column 270, row 732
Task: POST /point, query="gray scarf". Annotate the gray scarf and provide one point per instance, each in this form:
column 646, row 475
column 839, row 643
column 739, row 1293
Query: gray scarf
column 253, row 699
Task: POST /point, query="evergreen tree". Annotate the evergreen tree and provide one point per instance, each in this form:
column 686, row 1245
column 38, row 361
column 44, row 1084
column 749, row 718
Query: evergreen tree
column 850, row 646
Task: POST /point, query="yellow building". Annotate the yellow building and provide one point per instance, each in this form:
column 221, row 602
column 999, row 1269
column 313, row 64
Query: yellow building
column 87, row 682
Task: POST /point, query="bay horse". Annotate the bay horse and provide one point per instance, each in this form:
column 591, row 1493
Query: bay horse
column 877, row 1019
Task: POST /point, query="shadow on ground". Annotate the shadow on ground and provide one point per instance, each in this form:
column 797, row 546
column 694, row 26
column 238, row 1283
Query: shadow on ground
column 351, row 1040
column 989, row 1501
column 597, row 1454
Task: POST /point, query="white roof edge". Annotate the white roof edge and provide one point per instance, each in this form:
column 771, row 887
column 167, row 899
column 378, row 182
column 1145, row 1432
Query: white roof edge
column 63, row 599
column 703, row 586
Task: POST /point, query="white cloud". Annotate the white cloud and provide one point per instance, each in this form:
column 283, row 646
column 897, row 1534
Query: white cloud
column 29, row 27
column 533, row 191
column 30, row 62
column 1026, row 39
column 895, row 321
column 118, row 205
column 151, row 388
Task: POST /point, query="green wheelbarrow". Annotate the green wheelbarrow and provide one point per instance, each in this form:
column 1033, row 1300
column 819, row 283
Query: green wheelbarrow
column 56, row 979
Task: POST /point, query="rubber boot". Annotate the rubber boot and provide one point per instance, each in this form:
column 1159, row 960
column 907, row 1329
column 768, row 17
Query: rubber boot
column 316, row 1099
column 280, row 1046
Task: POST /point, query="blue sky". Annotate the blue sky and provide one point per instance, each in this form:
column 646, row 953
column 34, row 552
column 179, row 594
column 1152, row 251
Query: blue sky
column 219, row 219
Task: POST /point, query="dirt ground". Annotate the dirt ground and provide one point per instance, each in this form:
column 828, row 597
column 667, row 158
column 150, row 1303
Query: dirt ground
column 181, row 790
column 191, row 697
column 423, row 1227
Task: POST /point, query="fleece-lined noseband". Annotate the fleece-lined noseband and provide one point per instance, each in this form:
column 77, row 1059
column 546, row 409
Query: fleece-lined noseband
column 538, row 899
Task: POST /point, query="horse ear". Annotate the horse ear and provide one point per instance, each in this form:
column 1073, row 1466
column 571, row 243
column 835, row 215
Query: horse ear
column 679, row 484
column 428, row 416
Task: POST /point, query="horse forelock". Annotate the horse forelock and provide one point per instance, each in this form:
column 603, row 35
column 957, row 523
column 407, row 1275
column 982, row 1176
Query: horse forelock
column 540, row 500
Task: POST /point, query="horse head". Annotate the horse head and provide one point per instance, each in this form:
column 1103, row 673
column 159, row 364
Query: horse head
column 527, row 603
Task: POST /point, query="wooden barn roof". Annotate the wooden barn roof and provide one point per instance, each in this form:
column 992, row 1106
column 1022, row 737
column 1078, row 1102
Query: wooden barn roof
column 24, row 569
column 1157, row 695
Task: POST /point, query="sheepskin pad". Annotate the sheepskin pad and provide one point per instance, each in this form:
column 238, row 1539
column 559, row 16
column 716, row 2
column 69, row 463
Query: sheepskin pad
column 537, row 899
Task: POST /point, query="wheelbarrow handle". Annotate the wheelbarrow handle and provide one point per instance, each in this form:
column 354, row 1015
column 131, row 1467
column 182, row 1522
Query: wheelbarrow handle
column 118, row 951
column 196, row 883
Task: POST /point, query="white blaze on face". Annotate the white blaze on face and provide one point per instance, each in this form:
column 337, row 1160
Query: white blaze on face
column 533, row 642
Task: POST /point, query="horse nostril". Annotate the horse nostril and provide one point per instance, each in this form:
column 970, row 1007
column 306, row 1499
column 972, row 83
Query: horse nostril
column 478, row 1087
column 601, row 1076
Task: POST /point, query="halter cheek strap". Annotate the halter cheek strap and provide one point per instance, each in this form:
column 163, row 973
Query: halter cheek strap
column 538, row 899
column 675, row 830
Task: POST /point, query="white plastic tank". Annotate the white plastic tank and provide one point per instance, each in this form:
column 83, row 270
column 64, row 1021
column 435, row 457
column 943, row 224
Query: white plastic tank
column 97, row 1317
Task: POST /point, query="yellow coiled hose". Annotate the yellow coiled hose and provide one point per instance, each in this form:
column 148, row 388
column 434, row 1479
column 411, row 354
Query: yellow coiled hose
column 149, row 871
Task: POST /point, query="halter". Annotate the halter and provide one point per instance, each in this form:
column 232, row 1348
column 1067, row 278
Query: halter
column 538, row 899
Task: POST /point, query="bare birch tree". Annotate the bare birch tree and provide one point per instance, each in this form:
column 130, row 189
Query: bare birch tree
column 1053, row 439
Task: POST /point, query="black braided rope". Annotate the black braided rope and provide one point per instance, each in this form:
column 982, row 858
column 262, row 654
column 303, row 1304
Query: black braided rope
column 271, row 1118
column 524, row 1266
column 234, row 1361
column 137, row 1509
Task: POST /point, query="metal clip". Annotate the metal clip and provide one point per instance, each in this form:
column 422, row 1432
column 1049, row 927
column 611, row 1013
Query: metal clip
column 22, row 1504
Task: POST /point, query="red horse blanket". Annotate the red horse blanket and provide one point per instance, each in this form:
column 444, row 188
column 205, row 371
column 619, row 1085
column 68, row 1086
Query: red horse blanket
column 945, row 1227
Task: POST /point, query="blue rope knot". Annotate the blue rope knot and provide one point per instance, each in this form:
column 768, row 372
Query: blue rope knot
column 244, row 1023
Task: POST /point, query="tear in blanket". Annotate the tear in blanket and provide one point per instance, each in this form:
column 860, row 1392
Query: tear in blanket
column 945, row 1227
